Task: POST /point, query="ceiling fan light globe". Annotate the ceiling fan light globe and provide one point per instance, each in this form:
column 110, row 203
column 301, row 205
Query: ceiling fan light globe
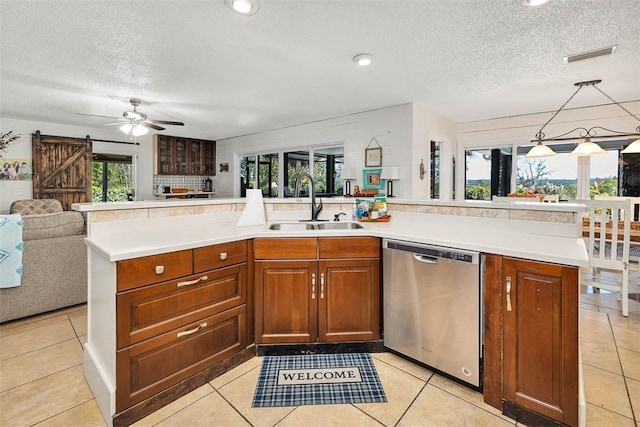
column 135, row 130
column 139, row 130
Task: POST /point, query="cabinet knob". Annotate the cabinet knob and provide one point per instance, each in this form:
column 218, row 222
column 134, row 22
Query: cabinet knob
column 223, row 256
column 159, row 269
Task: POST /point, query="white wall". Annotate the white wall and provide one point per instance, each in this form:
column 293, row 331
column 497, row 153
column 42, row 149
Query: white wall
column 403, row 131
column 429, row 126
column 16, row 190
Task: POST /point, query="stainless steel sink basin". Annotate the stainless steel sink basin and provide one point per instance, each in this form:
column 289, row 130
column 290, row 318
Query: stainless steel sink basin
column 291, row 226
column 339, row 226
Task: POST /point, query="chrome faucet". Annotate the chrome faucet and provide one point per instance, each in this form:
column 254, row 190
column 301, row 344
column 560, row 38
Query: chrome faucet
column 315, row 209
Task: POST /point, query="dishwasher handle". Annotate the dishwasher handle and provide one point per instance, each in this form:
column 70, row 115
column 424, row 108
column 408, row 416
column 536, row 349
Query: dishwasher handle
column 425, row 259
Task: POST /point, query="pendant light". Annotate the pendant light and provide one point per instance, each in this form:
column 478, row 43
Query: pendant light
column 634, row 147
column 587, row 147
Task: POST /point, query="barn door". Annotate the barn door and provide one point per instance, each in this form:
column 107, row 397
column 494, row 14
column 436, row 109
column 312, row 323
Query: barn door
column 61, row 168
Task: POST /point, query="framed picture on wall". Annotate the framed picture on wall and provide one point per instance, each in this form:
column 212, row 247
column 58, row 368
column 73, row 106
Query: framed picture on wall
column 373, row 156
column 371, row 179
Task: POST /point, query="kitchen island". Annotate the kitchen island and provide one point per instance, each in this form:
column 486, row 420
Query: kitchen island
column 120, row 233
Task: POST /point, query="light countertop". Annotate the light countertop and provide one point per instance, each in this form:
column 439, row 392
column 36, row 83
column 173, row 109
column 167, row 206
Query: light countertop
column 162, row 235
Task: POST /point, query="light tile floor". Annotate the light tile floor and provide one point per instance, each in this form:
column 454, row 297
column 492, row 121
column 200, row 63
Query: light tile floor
column 41, row 382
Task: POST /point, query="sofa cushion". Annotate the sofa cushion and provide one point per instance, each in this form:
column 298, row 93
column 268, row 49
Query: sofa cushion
column 46, row 226
column 35, row 206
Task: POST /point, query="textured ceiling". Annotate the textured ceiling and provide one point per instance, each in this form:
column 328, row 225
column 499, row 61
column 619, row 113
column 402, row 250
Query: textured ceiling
column 225, row 75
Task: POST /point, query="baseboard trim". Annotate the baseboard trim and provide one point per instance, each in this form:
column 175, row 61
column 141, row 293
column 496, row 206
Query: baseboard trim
column 376, row 346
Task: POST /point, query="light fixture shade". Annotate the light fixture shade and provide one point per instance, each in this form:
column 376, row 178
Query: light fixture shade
column 135, row 130
column 390, row 173
column 540, row 150
column 587, row 148
column 634, row 147
column 348, row 173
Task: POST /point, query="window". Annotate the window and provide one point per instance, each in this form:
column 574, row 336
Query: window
column 297, row 163
column 112, row 178
column 435, row 170
column 549, row 175
column 324, row 163
column 487, row 173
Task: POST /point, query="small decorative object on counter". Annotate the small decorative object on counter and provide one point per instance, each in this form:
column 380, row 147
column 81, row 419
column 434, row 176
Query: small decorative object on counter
column 372, row 209
column 208, row 185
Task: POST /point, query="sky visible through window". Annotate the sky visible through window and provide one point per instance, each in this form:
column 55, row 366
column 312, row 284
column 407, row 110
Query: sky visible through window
column 561, row 166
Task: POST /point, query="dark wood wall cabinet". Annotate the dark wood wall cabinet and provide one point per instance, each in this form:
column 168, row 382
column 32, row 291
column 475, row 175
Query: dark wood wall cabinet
column 317, row 290
column 178, row 314
column 184, row 156
column 531, row 340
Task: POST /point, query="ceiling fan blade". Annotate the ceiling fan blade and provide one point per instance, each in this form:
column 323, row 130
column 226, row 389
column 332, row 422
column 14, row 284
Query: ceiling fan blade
column 164, row 122
column 151, row 125
column 116, row 123
column 97, row 115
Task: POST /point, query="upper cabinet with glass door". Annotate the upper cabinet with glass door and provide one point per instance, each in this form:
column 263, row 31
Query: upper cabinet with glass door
column 184, row 156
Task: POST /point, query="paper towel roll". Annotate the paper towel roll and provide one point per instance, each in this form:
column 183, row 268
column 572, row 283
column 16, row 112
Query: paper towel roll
column 253, row 213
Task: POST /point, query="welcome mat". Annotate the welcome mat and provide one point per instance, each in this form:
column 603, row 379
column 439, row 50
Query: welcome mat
column 318, row 379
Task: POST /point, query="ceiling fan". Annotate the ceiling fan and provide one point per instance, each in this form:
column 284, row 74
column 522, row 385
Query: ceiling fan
column 134, row 122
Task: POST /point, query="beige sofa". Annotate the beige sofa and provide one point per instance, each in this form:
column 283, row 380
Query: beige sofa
column 54, row 261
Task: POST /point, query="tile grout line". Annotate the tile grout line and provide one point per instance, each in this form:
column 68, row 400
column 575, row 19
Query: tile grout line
column 624, row 377
column 38, row 349
column 66, row 410
column 181, row 409
column 40, row 378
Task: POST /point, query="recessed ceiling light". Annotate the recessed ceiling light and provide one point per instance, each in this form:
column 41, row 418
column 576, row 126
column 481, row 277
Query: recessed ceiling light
column 533, row 3
column 243, row 7
column 364, row 60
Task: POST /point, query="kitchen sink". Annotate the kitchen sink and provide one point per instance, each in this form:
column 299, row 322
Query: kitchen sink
column 291, row 226
column 339, row 226
column 301, row 226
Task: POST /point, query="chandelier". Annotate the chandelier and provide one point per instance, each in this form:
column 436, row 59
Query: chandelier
column 586, row 147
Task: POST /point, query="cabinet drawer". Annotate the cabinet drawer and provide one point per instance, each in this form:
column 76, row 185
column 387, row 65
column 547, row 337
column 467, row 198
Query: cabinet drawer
column 217, row 256
column 137, row 272
column 150, row 367
column 348, row 247
column 283, row 248
column 152, row 310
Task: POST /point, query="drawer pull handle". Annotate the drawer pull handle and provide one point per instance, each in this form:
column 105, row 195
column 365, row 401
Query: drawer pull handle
column 191, row 331
column 192, row 282
column 509, row 293
column 321, row 285
column 159, row 269
column 223, row 256
column 313, row 286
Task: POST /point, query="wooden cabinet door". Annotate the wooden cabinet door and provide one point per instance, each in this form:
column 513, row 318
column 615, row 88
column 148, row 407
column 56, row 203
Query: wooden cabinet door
column 165, row 158
column 209, row 160
column 286, row 307
column 349, row 300
column 540, row 360
column 181, row 156
column 196, row 159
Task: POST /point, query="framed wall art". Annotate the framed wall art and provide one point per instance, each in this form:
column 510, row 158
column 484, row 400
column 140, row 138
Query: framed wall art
column 373, row 155
column 371, row 179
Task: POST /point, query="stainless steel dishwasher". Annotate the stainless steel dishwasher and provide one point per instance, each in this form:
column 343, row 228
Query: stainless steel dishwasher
column 432, row 307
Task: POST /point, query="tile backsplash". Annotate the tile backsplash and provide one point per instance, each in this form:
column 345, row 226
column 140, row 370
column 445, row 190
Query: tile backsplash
column 180, row 181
